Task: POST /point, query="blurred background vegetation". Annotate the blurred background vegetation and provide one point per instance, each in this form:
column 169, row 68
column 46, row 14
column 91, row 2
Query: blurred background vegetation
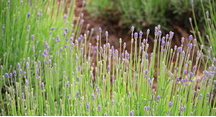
column 144, row 14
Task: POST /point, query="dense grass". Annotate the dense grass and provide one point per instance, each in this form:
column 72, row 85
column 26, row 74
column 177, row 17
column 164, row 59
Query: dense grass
column 58, row 76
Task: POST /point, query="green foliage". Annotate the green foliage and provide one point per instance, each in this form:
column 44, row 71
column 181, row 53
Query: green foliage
column 145, row 14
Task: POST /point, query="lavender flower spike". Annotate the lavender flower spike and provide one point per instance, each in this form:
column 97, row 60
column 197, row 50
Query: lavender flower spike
column 87, row 105
column 77, row 94
column 99, row 108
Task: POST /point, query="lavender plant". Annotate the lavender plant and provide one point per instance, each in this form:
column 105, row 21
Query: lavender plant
column 206, row 37
column 63, row 79
column 25, row 24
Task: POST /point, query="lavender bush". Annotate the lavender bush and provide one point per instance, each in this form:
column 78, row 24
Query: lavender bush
column 63, row 79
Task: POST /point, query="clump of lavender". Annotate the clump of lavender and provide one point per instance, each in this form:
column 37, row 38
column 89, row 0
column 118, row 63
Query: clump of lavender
column 61, row 78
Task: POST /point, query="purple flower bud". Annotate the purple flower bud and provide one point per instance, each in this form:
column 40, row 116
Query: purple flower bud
column 208, row 94
column 192, row 3
column 135, row 76
column 93, row 97
column 190, row 45
column 32, row 37
column 83, row 3
column 106, row 33
column 28, row 15
column 135, row 35
column 132, row 28
column 190, row 37
column 65, row 16
column 100, row 30
column 11, row 75
column 22, row 96
column 127, row 55
column 145, row 107
column 52, row 28
column 38, row 14
column 140, row 34
column 207, row 14
column 148, row 107
column 185, row 72
column 163, row 43
column 77, row 95
column 82, row 21
column 182, row 39
column 108, row 68
column 146, row 71
column 113, row 102
column 6, row 75
column 191, row 74
column 194, row 92
column 179, row 49
column 158, row 97
column 210, row 48
column 78, row 79
column 42, row 84
column 14, row 72
column 146, row 55
column 87, row 105
column 159, row 33
column 105, row 114
column 3, row 27
column 148, row 31
column 170, row 104
column 200, row 97
column 67, row 84
column 194, row 68
column 132, row 113
column 66, row 29
column 20, row 71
